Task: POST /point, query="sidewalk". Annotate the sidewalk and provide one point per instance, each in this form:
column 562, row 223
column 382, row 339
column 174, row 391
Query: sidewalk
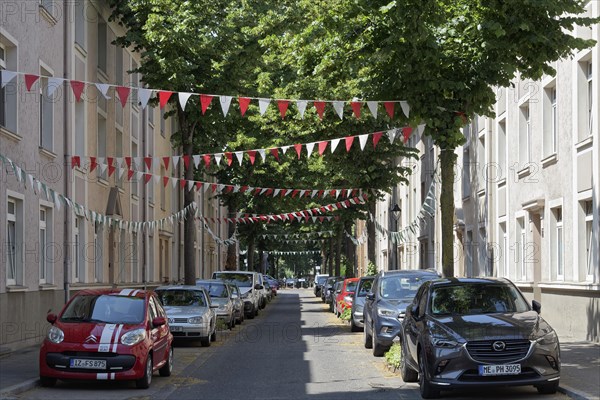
column 580, row 376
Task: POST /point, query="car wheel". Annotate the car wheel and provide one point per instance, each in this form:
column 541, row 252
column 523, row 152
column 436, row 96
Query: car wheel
column 549, row 388
column 251, row 314
column 231, row 322
column 427, row 391
column 408, row 374
column 168, row 367
column 353, row 326
column 145, row 381
column 46, row 381
column 367, row 339
column 205, row 340
column 213, row 337
column 256, row 311
column 378, row 349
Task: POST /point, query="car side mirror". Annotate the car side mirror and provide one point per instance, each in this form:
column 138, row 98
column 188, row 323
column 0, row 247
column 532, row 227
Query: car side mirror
column 537, row 307
column 51, row 318
column 370, row 296
column 258, row 287
column 414, row 311
column 158, row 321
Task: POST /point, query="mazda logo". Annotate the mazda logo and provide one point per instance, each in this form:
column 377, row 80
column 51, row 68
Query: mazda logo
column 498, row 346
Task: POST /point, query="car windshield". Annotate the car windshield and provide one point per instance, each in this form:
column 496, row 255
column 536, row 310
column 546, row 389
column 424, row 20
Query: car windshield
column 351, row 286
column 215, row 289
column 181, row 297
column 365, row 287
column 321, row 280
column 476, row 298
column 109, row 309
column 242, row 280
column 402, row 286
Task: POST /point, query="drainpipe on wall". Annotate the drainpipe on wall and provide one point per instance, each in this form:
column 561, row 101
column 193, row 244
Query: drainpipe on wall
column 145, row 204
column 67, row 131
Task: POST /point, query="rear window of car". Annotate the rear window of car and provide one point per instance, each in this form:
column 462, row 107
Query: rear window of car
column 181, row 298
column 108, row 309
column 242, row 280
column 477, row 298
column 365, row 287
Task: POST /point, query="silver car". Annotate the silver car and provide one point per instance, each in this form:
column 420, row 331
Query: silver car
column 190, row 313
column 221, row 296
column 238, row 303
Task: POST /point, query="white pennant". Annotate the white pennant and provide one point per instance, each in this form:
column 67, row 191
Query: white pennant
column 302, row 193
column 6, row 76
column 225, row 103
column 263, row 104
column 190, row 185
column 263, row 154
column 338, row 106
column 363, row 140
column 183, row 99
column 420, row 129
column 120, row 172
column 405, row 108
column 301, row 104
column 263, row 190
column 30, row 180
column 314, row 193
column 196, row 160
column 156, row 179
column 56, row 200
column 53, row 84
column 220, row 188
column 285, row 149
column 391, row 135
column 373, row 108
column 206, row 187
column 218, row 158
column 240, row 156
column 309, row 148
column 144, row 96
column 276, row 192
column 103, row 167
column 334, row 144
column 173, row 182
column 175, row 161
column 139, row 176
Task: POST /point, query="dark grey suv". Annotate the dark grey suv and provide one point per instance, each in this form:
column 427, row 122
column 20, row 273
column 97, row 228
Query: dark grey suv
column 477, row 332
column 358, row 302
column 385, row 305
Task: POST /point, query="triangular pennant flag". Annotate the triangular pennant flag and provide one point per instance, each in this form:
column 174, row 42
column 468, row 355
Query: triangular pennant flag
column 262, row 154
column 182, row 183
column 30, row 80
column 309, row 148
column 196, row 158
column 275, row 152
column 376, row 137
column 338, row 106
column 283, row 107
column 356, row 105
column 391, row 135
column 163, row 98
column 77, row 87
column 320, row 106
column 205, row 100
column 349, row 140
column 421, row 129
column 389, row 108
column 165, row 180
column 183, row 99
column 148, row 162
column 301, row 104
column 218, row 157
column 206, row 158
column 93, row 164
column 123, row 94
column 75, row 161
column 373, row 105
column 244, row 102
column 276, row 192
column 405, row 108
column 263, row 104
column 298, row 148
column 53, row 84
column 186, row 161
column 111, row 170
column 147, row 178
column 252, row 155
column 166, row 162
column 229, row 157
column 334, row 144
column 175, row 161
column 225, row 103
column 322, row 147
column 284, row 149
column 6, row 76
column 406, row 131
column 240, row 156
column 144, row 96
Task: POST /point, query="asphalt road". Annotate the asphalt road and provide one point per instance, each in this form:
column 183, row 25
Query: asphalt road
column 294, row 349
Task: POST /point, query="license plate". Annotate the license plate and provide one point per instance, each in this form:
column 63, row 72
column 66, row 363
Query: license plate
column 88, row 364
column 491, row 370
column 176, row 328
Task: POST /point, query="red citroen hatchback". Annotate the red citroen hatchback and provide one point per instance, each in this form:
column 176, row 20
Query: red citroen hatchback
column 108, row 335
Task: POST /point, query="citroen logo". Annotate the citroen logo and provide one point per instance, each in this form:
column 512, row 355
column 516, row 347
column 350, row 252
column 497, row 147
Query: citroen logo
column 498, row 346
column 91, row 339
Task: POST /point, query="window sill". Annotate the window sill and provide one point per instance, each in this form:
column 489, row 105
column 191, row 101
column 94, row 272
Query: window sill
column 16, row 289
column 587, row 286
column 524, row 172
column 47, row 153
column 48, row 16
column 47, row 286
column 102, row 182
column 80, row 50
column 581, row 145
column 550, row 160
column 10, row 135
column 502, row 182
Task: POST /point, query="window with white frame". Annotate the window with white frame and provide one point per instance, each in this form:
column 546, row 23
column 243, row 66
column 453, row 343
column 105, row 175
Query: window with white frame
column 134, row 182
column 118, row 155
column 590, row 98
column 550, row 108
column 466, row 172
column 102, row 44
column 163, row 132
column 80, row 20
column 14, row 244
column 102, row 136
column 520, row 249
column 46, row 112
column 557, row 247
column 503, row 251
column 8, row 93
column 163, row 194
column 45, row 244
column 585, row 98
column 135, row 83
column 524, row 135
column 3, row 57
column 98, row 252
column 134, row 257
column 48, row 5
column 588, row 239
column 79, row 250
column 469, row 253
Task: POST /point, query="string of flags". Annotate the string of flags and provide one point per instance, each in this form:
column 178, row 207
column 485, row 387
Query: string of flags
column 297, row 235
column 357, row 240
column 294, row 253
column 123, row 95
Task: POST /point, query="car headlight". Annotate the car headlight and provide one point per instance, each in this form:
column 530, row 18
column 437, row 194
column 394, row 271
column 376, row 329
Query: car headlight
column 195, row 320
column 445, row 343
column 133, row 337
column 384, row 312
column 56, row 335
column 548, row 339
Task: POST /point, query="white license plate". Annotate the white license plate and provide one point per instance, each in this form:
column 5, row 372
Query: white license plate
column 88, row 364
column 507, row 369
column 176, row 328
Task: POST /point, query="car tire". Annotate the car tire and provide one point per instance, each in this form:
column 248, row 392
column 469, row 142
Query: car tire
column 251, row 314
column 167, row 369
column 426, row 389
column 367, row 339
column 408, row 374
column 213, row 337
column 47, row 381
column 549, row 388
column 145, row 381
column 256, row 311
column 378, row 349
column 205, row 341
column 353, row 326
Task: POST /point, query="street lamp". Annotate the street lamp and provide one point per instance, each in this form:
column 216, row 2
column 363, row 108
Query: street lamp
column 397, row 211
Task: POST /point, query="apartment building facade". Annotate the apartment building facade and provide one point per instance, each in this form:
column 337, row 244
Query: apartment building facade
column 50, row 251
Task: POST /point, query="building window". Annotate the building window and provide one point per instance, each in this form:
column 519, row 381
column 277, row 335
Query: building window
column 8, row 94
column 118, row 155
column 150, row 185
column 503, row 252
column 48, row 5
column 558, row 244
column 98, row 250
column 102, row 140
column 520, row 249
column 102, row 45
column 501, row 146
column 45, row 245
column 3, row 113
column 46, row 112
column 79, row 250
column 163, row 194
column 588, row 239
column 135, row 82
column 466, row 172
column 524, row 136
column 119, row 109
column 134, row 182
column 80, row 23
column 585, row 98
column 14, row 245
column 134, row 257
column 550, row 121
column 163, row 132
column 590, row 98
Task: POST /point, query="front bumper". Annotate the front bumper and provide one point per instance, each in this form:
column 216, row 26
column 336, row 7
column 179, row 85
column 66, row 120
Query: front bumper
column 386, row 330
column 189, row 330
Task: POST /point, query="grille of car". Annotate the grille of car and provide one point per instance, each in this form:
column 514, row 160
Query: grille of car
column 484, row 350
column 180, row 320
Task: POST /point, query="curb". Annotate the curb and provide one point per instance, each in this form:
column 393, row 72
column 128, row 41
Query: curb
column 19, row 388
column 575, row 394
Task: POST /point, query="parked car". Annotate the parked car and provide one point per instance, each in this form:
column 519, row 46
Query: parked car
column 290, row 283
column 274, row 284
column 328, row 288
column 268, row 291
column 190, row 312
column 343, row 298
column 250, row 288
column 238, row 303
column 264, row 292
column 358, row 302
column 337, row 287
column 107, row 334
column 477, row 332
column 220, row 295
column 385, row 306
column 320, row 279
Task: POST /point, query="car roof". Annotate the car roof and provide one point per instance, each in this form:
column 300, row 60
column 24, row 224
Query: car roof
column 222, row 282
column 409, row 272
column 476, row 280
column 175, row 287
column 129, row 292
column 235, row 272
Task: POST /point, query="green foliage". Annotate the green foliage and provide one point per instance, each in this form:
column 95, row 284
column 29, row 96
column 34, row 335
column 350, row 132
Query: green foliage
column 346, row 314
column 371, row 269
column 393, row 356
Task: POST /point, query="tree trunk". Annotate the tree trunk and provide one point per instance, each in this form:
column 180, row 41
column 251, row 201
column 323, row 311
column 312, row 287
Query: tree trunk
column 338, row 252
column 232, row 257
column 250, row 253
column 189, row 224
column 331, row 257
column 447, row 162
column 371, row 233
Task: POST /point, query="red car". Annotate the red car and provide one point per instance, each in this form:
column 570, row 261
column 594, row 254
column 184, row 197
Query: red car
column 343, row 297
column 108, row 335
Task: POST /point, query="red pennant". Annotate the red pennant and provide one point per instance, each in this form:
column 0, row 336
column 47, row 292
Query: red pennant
column 30, row 80
column 320, row 106
column 166, row 162
column 333, row 192
column 182, row 183
column 111, row 169
column 205, row 100
column 354, row 192
column 109, row 160
column 165, row 180
column 389, row 107
column 356, row 108
column 77, row 87
column 284, row 192
column 268, row 192
column 406, row 131
column 295, row 192
column 244, row 102
column 320, row 193
column 75, row 162
column 186, row 161
column 229, row 157
column 206, row 159
column 198, row 186
column 213, row 187
column 283, row 106
column 252, row 155
column 275, row 153
column 163, row 98
column 321, row 219
column 228, row 188
column 93, row 164
column 129, row 174
column 349, row 141
column 376, row 137
column 123, row 93
column 322, row 147
column 298, row 148
column 257, row 191
column 148, row 162
column 147, row 178
column 243, row 189
column 128, row 162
